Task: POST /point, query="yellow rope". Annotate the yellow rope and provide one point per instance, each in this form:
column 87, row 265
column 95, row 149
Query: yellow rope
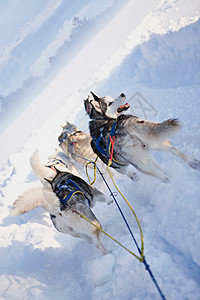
column 76, row 192
column 95, row 170
column 77, row 146
column 141, row 234
column 99, row 228
column 89, row 162
column 139, row 258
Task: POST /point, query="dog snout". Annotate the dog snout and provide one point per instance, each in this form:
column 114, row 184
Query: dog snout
column 123, row 95
column 62, row 137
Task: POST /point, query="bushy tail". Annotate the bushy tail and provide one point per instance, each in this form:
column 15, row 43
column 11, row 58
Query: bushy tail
column 40, row 170
column 156, row 131
column 169, row 127
column 35, row 197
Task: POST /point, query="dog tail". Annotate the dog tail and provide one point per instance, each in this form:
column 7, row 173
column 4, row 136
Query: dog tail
column 156, row 131
column 166, row 129
column 39, row 169
column 35, row 197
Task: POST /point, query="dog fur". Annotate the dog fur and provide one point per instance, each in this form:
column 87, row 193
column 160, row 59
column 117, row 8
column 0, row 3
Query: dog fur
column 135, row 137
column 62, row 216
column 76, row 144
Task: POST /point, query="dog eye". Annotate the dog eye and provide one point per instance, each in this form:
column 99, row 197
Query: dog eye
column 109, row 104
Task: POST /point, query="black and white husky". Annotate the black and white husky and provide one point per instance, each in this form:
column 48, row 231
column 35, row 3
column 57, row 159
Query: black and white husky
column 134, row 137
column 63, row 194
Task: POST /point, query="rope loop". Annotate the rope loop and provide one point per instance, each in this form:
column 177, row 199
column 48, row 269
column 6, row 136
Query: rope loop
column 95, row 170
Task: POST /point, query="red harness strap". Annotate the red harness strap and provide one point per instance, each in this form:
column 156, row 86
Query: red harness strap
column 112, row 140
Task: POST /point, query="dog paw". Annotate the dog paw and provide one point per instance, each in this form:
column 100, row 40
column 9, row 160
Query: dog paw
column 133, row 176
column 110, row 201
column 166, row 179
column 102, row 249
column 195, row 164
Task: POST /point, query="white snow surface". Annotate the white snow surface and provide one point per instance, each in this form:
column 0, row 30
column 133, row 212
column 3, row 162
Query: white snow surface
column 150, row 47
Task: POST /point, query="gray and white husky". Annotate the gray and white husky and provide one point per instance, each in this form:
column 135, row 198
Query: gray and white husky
column 134, row 137
column 62, row 194
column 76, row 144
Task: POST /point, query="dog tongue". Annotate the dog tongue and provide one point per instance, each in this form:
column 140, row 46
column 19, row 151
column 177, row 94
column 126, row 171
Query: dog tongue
column 123, row 107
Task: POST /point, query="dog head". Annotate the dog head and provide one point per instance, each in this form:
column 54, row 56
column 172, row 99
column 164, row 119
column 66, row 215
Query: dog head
column 69, row 128
column 101, row 107
column 57, row 182
column 67, row 131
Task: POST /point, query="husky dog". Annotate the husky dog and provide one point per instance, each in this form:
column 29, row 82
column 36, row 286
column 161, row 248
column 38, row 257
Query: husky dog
column 65, row 194
column 134, row 137
column 62, row 162
column 76, row 143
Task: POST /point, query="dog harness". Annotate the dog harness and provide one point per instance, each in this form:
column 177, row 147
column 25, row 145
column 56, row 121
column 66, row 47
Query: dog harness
column 108, row 152
column 65, row 135
column 55, row 162
column 72, row 188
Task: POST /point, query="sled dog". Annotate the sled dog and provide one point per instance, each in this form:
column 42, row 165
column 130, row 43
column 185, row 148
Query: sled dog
column 76, row 144
column 134, row 137
column 63, row 194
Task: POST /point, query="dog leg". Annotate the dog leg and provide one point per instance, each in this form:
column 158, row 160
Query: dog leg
column 131, row 174
column 98, row 238
column 102, row 249
column 152, row 167
column 99, row 196
column 85, row 229
column 143, row 161
column 192, row 162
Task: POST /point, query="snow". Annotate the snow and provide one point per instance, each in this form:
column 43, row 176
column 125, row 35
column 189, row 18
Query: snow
column 151, row 47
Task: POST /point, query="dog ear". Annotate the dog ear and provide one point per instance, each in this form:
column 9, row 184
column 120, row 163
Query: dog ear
column 57, row 171
column 96, row 98
column 48, row 180
column 103, row 106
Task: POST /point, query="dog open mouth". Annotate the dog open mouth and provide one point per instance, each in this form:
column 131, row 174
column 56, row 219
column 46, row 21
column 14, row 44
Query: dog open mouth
column 123, row 107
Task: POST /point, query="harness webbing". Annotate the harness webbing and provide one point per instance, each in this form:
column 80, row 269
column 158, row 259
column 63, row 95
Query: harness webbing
column 112, row 134
column 71, row 193
column 108, row 152
column 69, row 196
column 67, row 134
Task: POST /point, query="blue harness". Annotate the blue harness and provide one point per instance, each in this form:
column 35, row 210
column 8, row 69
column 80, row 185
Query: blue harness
column 106, row 152
column 101, row 150
column 71, row 191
